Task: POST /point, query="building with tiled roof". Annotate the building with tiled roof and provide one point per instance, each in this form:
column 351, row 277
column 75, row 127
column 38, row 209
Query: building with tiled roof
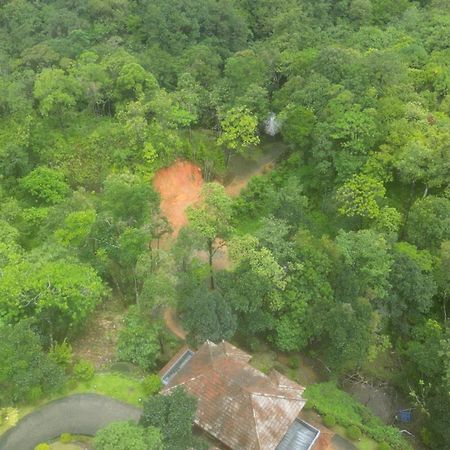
column 238, row 405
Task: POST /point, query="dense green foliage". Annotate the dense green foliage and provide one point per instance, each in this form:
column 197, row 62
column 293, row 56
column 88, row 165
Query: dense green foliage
column 341, row 251
column 26, row 371
column 126, row 435
column 174, row 415
column 330, row 401
column 139, row 342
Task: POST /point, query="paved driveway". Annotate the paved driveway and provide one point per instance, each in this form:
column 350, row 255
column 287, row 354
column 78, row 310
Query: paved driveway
column 76, row 414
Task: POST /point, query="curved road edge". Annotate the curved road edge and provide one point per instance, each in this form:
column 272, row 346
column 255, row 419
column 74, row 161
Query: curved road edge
column 75, row 414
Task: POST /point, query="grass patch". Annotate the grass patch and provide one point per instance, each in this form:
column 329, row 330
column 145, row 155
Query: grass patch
column 115, row 385
column 264, row 361
column 365, row 443
column 327, row 399
column 124, row 388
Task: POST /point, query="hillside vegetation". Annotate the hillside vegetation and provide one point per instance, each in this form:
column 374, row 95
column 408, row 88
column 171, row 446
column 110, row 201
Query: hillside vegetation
column 341, row 252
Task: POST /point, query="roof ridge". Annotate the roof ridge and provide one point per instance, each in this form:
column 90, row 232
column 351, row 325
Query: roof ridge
column 261, row 394
column 255, row 421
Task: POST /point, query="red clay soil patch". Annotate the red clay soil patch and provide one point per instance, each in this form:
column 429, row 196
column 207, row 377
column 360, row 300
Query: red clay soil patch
column 179, row 186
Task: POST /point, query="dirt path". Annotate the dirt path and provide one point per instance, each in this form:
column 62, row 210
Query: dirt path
column 76, row 414
column 179, row 186
column 241, row 169
column 173, row 324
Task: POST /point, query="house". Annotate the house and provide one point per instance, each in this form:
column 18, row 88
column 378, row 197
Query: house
column 238, row 405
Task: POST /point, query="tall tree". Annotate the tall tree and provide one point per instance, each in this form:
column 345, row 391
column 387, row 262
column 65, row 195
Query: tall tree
column 174, row 415
column 211, row 219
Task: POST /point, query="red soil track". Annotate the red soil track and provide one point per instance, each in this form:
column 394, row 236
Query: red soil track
column 179, row 186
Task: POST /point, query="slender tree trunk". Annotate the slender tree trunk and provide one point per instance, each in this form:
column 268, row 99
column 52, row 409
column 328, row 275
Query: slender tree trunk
column 211, row 272
column 227, row 160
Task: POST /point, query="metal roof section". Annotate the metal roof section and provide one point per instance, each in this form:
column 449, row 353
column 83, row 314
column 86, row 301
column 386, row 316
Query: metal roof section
column 177, row 366
column 300, row 436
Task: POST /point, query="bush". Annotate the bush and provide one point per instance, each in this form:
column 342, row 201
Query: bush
column 62, row 354
column 152, row 384
column 329, row 421
column 384, row 446
column 353, row 433
column 83, row 371
column 42, row 446
column 127, row 435
column 66, row 438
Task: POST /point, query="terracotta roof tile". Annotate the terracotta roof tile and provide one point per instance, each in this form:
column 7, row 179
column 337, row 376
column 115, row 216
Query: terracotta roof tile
column 237, row 404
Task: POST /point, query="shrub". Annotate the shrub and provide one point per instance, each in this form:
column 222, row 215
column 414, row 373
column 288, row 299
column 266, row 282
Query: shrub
column 329, row 421
column 152, row 384
column 83, row 371
column 62, row 354
column 353, row 433
column 127, row 435
column 42, row 446
column 66, row 438
column 384, row 446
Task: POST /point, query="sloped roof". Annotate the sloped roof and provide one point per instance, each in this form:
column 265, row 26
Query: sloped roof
column 237, row 404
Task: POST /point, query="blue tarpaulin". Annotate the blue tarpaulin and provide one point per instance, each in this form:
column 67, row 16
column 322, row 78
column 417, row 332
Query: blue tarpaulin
column 404, row 415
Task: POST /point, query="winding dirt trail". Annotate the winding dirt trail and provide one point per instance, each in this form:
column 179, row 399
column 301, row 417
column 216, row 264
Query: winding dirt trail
column 179, row 186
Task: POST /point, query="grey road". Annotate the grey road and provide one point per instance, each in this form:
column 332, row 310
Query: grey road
column 75, row 414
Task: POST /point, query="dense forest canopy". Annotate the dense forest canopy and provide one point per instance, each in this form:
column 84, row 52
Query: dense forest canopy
column 341, row 251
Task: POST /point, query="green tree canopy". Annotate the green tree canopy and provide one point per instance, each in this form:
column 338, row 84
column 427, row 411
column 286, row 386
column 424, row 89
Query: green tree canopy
column 174, row 415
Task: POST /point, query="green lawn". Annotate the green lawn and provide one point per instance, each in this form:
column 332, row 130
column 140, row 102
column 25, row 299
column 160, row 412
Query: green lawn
column 118, row 386
column 365, row 443
column 121, row 387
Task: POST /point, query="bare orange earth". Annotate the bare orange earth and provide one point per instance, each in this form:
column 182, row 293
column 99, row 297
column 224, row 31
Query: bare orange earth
column 179, row 186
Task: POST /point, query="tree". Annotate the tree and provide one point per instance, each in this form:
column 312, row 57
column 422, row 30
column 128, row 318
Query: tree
column 298, row 124
column 56, row 92
column 412, row 292
column 26, row 372
column 127, row 435
column 239, row 131
column 359, row 196
column 207, row 315
column 139, row 341
column 349, row 329
column 57, row 296
column 128, row 198
column 45, row 186
column 211, row 220
column 133, row 81
column 174, row 415
column 428, row 222
column 366, row 265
